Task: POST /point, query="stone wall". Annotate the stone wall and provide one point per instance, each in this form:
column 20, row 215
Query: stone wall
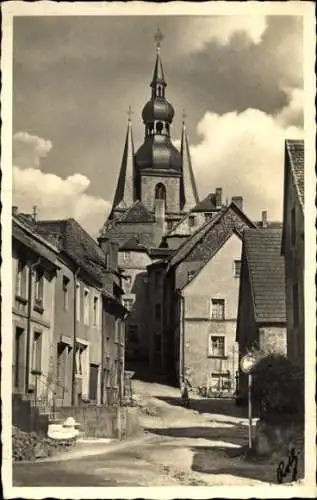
column 100, row 421
column 26, row 417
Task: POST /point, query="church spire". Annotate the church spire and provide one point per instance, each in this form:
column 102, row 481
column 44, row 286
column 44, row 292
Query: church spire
column 188, row 189
column 124, row 195
column 158, row 83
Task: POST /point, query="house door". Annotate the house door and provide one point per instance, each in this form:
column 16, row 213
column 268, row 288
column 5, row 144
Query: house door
column 61, row 369
column 18, row 358
column 93, row 382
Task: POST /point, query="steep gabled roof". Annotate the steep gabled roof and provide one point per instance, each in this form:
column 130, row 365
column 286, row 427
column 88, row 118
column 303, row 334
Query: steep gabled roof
column 235, row 220
column 295, row 152
column 77, row 244
column 208, row 204
column 267, row 274
column 136, row 213
column 26, row 233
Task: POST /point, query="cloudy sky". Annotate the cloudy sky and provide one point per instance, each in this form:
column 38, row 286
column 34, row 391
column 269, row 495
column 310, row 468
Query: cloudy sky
column 240, row 80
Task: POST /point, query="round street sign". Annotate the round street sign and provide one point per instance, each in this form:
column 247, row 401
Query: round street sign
column 247, row 363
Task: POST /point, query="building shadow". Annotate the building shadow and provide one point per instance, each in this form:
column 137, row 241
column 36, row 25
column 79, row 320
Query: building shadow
column 235, row 434
column 219, row 406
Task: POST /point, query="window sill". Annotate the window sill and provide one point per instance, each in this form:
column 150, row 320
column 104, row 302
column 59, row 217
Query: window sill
column 20, row 299
column 36, row 372
column 38, row 308
column 78, row 375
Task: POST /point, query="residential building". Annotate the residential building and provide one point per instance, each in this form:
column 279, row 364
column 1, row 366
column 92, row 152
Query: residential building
column 94, row 371
column 194, row 304
column 35, row 266
column 261, row 320
column 293, row 249
column 87, row 325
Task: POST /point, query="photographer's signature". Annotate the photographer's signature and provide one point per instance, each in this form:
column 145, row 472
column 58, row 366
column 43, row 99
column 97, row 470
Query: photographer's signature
column 291, row 466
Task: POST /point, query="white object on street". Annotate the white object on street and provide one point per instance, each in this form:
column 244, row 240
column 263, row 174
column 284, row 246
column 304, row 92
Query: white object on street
column 67, row 430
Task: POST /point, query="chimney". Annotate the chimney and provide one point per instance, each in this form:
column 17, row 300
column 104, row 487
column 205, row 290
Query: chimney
column 238, row 200
column 15, row 210
column 264, row 219
column 159, row 209
column 218, row 194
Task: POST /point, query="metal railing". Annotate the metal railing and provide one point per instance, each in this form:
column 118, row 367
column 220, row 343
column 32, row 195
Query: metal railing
column 45, row 393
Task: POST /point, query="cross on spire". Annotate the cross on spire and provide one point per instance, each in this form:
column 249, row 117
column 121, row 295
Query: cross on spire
column 158, row 37
column 129, row 113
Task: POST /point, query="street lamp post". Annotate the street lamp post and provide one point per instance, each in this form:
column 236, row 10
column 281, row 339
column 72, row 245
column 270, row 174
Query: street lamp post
column 247, row 364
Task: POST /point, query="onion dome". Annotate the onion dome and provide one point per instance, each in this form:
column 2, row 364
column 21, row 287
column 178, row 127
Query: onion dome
column 157, row 152
column 158, row 109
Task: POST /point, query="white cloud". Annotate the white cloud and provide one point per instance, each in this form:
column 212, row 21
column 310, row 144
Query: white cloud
column 53, row 196
column 221, row 29
column 29, row 149
column 292, row 113
column 244, row 154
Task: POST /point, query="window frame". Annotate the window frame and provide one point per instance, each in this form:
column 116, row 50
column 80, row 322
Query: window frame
column 191, row 220
column 95, row 307
column 214, row 302
column 86, row 306
column 235, row 262
column 65, row 286
column 218, row 351
column 78, row 300
column 37, row 344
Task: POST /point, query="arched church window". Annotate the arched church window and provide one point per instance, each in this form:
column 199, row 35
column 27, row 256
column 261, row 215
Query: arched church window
column 159, row 127
column 151, row 128
column 160, row 191
column 159, row 91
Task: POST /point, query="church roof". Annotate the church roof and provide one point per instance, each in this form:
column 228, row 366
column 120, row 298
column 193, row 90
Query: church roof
column 124, row 195
column 207, row 204
column 189, row 195
column 137, row 213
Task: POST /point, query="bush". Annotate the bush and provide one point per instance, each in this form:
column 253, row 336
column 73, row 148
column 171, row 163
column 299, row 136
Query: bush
column 278, row 386
column 29, row 446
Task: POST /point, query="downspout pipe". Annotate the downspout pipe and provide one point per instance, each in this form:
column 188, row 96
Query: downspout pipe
column 75, row 275
column 28, row 325
column 181, row 338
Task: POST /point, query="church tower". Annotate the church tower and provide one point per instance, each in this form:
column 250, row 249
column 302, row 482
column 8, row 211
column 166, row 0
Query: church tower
column 156, row 184
column 158, row 163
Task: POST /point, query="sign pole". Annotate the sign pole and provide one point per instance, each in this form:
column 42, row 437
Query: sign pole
column 250, row 408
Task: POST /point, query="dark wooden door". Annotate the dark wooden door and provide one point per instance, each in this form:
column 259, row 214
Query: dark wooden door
column 93, row 382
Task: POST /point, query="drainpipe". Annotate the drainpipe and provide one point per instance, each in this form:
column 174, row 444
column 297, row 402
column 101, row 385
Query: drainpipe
column 28, row 325
column 181, row 338
column 75, row 274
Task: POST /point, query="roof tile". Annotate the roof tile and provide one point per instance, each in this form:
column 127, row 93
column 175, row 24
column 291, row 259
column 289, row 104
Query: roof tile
column 267, row 273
